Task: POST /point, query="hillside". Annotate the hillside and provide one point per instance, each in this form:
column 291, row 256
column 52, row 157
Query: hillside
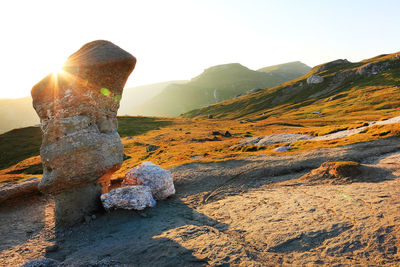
column 287, row 71
column 365, row 90
column 134, row 96
column 216, row 84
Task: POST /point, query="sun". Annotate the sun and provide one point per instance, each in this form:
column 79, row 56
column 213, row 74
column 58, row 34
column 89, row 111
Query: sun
column 57, row 69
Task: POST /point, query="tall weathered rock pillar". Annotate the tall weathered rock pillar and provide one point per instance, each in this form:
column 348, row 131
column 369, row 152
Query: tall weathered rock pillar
column 77, row 109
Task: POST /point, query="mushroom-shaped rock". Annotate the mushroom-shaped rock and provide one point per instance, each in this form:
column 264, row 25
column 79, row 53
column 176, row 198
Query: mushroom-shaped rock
column 149, row 174
column 77, row 109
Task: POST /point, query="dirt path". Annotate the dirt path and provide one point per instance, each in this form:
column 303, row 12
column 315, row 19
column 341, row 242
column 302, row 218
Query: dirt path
column 235, row 212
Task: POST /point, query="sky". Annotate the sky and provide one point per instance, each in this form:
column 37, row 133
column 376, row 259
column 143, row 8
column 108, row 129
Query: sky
column 178, row 39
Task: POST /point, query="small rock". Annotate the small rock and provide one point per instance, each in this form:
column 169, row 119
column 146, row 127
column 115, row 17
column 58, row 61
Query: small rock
column 130, row 197
column 129, row 137
column 150, row 148
column 282, row 149
column 52, row 248
column 187, row 133
column 94, row 217
column 41, row 262
column 227, row 134
column 149, row 174
column 216, row 133
column 210, row 116
column 313, row 79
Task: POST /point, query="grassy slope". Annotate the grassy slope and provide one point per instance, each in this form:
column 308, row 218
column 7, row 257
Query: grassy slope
column 358, row 96
column 216, row 84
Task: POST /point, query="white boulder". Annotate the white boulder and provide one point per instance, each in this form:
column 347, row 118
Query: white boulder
column 282, row 149
column 149, row 174
column 314, row 79
column 130, row 197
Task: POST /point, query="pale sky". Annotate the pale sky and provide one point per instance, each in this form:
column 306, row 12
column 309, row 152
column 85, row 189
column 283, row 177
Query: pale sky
column 177, row 40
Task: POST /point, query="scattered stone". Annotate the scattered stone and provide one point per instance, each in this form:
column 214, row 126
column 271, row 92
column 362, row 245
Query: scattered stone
column 129, row 138
column 314, row 79
column 202, row 140
column 316, row 112
column 150, row 148
column 216, row 133
column 52, row 248
column 41, row 262
column 94, row 217
column 282, row 149
column 187, row 133
column 149, row 174
column 136, row 197
column 19, row 190
column 227, row 134
column 210, row 116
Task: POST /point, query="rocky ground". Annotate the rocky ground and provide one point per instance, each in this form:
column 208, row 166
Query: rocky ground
column 249, row 212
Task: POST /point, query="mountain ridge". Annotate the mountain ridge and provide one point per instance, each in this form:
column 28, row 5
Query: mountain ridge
column 213, row 85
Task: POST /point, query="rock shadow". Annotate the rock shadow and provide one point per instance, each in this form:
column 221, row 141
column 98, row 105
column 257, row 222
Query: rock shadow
column 130, row 237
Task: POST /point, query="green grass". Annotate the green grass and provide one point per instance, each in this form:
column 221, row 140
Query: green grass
column 356, row 96
column 19, row 144
column 132, row 126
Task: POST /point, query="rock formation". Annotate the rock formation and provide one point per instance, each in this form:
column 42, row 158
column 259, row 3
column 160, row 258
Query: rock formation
column 77, row 109
column 313, row 79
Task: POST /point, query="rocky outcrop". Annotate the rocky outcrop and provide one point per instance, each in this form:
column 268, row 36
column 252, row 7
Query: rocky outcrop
column 373, row 68
column 19, row 190
column 282, row 138
column 313, row 79
column 136, row 197
column 77, row 109
column 149, row 174
column 332, row 64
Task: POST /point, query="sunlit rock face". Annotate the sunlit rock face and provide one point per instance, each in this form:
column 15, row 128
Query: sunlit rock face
column 77, row 108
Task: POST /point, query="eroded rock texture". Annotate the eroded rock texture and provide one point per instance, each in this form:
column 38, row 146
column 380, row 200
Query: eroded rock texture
column 149, row 174
column 77, row 108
